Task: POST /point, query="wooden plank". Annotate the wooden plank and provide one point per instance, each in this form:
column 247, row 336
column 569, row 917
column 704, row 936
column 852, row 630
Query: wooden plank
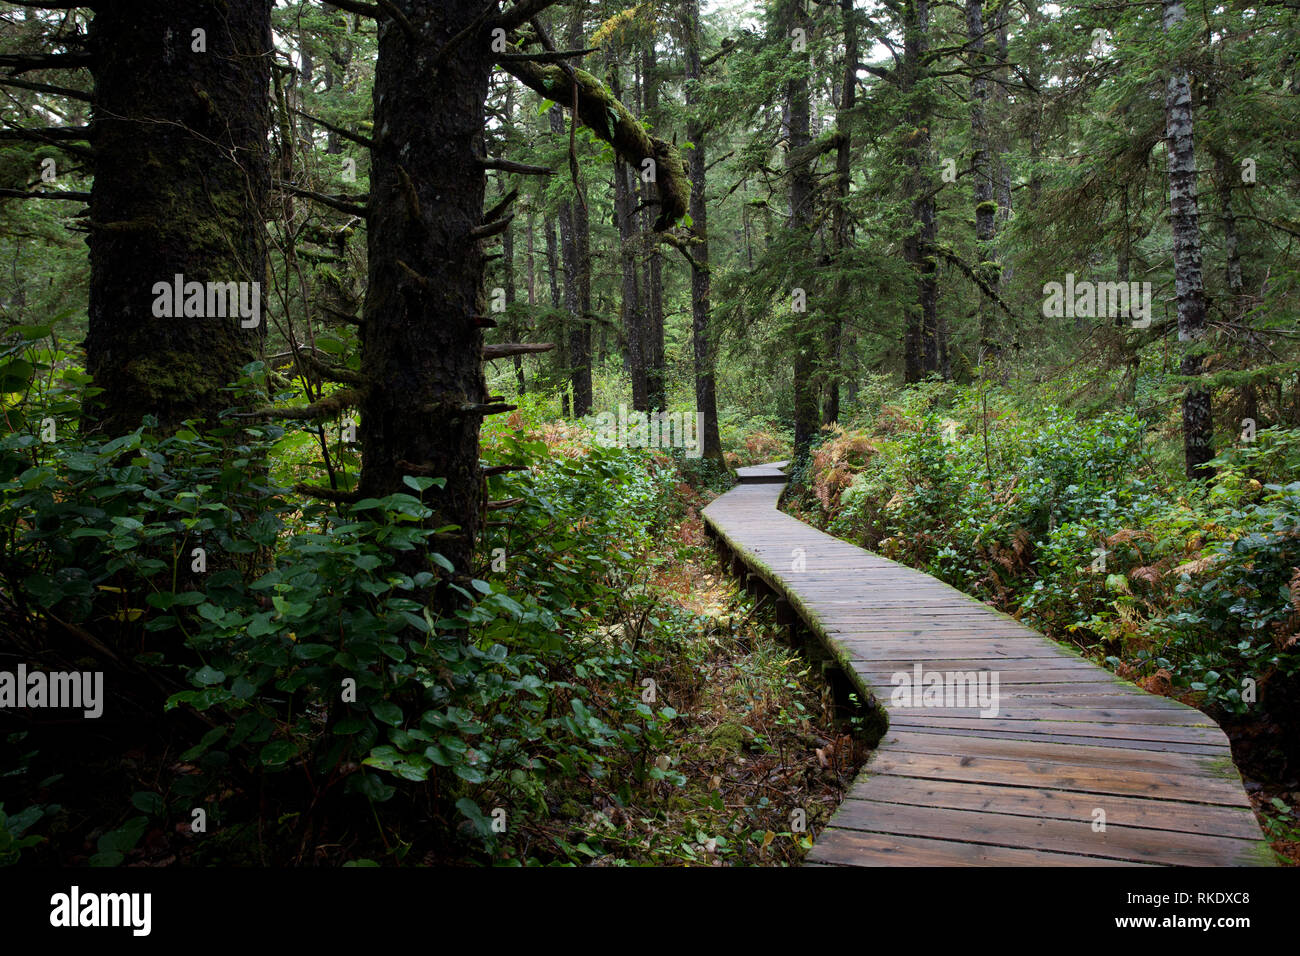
column 1014, row 648
column 1012, row 710
column 1004, row 665
column 922, row 723
column 858, row 848
column 1176, row 816
column 1129, row 843
column 1043, row 752
column 1058, row 776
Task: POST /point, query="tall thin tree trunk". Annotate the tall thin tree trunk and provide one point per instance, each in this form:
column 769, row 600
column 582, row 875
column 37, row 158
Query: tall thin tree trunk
column 580, row 332
column 921, row 352
column 1002, row 138
column 336, row 71
column 553, row 264
column 798, row 135
column 656, row 381
column 1198, row 425
column 530, row 263
column 555, row 274
column 704, row 347
column 842, row 225
column 511, row 324
column 572, row 268
column 983, row 173
column 1034, row 19
column 625, row 193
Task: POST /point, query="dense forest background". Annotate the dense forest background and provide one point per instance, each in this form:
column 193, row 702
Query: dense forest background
column 1013, row 285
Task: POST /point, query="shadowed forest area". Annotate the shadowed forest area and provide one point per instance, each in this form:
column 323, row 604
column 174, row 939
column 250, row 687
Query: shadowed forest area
column 365, row 368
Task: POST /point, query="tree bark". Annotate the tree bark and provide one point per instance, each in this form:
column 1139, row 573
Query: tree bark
column 983, row 171
column 798, row 116
column 1198, row 425
column 572, row 281
column 842, row 224
column 580, row 332
column 656, row 375
column 421, row 343
column 634, row 333
column 181, row 186
column 706, row 402
column 921, row 347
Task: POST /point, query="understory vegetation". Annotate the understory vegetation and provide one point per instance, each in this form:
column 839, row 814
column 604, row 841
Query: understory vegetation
column 601, row 695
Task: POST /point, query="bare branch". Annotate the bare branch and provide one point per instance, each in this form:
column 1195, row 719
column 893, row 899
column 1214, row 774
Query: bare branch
column 508, row 349
column 350, row 136
column 522, row 12
column 508, row 166
column 47, row 88
column 24, row 194
column 545, row 56
column 344, row 204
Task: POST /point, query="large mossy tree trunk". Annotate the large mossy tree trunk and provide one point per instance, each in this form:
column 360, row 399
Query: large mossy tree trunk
column 421, row 336
column 180, row 125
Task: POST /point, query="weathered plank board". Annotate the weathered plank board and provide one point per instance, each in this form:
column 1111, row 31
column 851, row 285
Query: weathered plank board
column 1072, row 767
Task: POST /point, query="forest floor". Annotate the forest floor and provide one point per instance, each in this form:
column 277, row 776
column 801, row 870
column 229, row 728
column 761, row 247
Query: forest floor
column 765, row 758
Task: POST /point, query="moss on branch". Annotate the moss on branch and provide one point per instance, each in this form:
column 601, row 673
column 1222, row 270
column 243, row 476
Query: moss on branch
column 613, row 122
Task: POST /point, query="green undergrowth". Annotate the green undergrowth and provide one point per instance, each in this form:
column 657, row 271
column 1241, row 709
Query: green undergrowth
column 278, row 692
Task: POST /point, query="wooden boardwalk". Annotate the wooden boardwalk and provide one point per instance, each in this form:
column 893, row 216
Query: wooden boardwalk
column 1059, row 764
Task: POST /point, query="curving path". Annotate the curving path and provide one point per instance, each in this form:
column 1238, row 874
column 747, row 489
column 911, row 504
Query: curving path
column 1059, row 763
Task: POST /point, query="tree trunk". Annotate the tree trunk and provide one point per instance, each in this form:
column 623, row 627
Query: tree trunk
column 1198, row 425
column 530, row 262
column 656, row 376
column 842, row 225
column 421, row 343
column 921, row 350
column 555, row 272
column 572, row 282
column 580, row 332
column 1001, row 99
column 512, row 325
column 633, row 317
column 181, row 185
column 625, row 193
column 798, row 136
column 704, row 348
column 982, row 168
